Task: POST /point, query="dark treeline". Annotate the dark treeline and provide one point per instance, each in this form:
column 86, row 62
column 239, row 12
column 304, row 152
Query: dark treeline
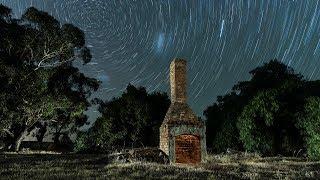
column 131, row 120
column 275, row 112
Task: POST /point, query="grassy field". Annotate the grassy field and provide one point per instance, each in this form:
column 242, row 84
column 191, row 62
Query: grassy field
column 72, row 166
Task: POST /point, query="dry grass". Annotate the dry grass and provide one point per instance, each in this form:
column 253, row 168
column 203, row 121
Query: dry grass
column 232, row 166
column 252, row 166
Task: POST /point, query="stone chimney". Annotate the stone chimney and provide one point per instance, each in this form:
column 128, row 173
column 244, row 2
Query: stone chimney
column 182, row 135
column 178, row 81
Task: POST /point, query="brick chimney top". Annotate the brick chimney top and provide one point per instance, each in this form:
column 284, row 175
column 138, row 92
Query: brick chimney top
column 178, row 80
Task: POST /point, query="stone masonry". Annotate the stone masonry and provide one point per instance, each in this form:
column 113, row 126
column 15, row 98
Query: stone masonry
column 182, row 135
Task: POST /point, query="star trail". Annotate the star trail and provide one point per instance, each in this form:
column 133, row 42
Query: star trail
column 133, row 41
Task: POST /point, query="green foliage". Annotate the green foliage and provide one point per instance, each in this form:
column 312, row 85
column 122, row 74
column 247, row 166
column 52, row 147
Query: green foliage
column 43, row 19
column 4, row 11
column 220, row 119
column 226, row 138
column 261, row 113
column 38, row 81
column 309, row 122
column 256, row 120
column 73, row 35
column 81, row 143
column 131, row 120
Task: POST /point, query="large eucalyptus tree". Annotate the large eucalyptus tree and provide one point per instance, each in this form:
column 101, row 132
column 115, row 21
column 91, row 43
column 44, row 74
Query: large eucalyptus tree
column 38, row 80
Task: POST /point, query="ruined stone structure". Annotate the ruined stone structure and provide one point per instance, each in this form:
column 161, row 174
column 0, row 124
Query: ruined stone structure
column 182, row 134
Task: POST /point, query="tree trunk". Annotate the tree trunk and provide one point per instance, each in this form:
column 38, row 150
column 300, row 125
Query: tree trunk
column 41, row 132
column 20, row 138
column 56, row 137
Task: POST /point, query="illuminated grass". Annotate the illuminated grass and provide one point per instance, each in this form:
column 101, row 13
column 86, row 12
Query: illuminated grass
column 75, row 166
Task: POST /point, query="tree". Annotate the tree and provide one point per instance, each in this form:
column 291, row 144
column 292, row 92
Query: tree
column 222, row 116
column 257, row 123
column 309, row 122
column 76, row 88
column 5, row 12
column 275, row 112
column 221, row 131
column 131, row 120
column 38, row 78
column 268, row 123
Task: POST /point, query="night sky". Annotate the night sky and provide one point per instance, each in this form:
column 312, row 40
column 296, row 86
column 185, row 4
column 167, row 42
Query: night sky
column 133, row 41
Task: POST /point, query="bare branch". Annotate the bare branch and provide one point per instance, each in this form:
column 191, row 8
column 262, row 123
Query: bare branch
column 55, row 64
column 8, row 132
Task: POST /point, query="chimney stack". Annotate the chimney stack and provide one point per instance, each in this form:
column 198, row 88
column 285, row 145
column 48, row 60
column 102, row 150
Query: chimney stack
column 182, row 134
column 178, row 81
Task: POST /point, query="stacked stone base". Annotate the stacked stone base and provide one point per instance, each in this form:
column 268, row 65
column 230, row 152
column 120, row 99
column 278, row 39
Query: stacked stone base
column 183, row 143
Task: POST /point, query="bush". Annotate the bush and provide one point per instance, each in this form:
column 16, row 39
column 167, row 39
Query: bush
column 257, row 122
column 221, row 118
column 227, row 138
column 80, row 144
column 309, row 122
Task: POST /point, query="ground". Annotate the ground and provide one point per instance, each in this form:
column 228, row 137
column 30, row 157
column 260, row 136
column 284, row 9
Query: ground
column 75, row 166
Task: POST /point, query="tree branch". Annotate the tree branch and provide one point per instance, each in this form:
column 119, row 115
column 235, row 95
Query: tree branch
column 54, row 64
column 8, row 132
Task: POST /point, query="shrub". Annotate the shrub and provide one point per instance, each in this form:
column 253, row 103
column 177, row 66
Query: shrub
column 227, row 137
column 80, row 143
column 309, row 122
column 256, row 122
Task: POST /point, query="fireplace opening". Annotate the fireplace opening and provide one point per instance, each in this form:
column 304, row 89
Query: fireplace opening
column 187, row 149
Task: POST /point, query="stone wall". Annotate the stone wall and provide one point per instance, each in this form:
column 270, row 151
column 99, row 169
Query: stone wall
column 164, row 139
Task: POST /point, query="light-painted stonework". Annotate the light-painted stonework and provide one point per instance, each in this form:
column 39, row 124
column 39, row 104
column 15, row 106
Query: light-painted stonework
column 180, row 120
